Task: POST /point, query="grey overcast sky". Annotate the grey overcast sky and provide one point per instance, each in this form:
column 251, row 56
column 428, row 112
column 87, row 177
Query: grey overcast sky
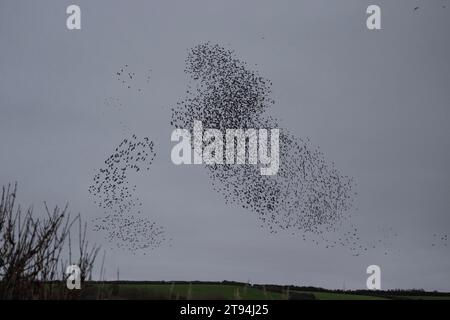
column 376, row 102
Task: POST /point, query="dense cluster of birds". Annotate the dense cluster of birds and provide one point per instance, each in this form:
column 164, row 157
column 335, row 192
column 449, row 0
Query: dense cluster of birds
column 113, row 192
column 308, row 196
column 131, row 232
column 111, row 187
column 307, row 193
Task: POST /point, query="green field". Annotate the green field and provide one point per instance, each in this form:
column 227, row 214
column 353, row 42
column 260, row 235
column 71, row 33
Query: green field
column 425, row 297
column 342, row 296
column 233, row 291
column 193, row 291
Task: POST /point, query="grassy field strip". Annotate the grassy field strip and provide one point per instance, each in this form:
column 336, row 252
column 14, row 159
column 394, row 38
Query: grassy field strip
column 342, row 296
column 196, row 291
column 182, row 291
column 425, row 297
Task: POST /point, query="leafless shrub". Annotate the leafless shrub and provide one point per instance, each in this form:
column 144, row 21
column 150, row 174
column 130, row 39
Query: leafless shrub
column 31, row 250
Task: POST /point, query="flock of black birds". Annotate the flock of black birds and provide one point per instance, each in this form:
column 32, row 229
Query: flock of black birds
column 308, row 196
column 113, row 192
column 348, row 236
column 131, row 232
column 111, row 187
